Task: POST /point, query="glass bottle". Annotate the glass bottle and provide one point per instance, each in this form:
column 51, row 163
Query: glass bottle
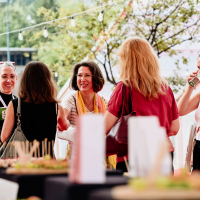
column 195, row 80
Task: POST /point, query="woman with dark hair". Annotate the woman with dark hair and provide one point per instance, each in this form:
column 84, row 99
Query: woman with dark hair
column 87, row 80
column 40, row 110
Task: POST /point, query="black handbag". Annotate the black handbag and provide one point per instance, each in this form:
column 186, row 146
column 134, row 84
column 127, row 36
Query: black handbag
column 117, row 138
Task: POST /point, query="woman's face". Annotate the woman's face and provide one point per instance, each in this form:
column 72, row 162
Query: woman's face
column 84, row 79
column 8, row 79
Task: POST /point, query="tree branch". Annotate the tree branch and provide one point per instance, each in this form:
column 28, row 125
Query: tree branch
column 154, row 30
column 169, row 47
column 108, row 54
column 170, row 13
column 177, row 33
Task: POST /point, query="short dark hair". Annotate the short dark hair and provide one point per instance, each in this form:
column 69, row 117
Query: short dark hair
column 97, row 77
column 37, row 84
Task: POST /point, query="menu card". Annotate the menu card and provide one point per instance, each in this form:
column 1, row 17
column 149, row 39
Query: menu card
column 146, row 137
column 9, row 189
column 88, row 151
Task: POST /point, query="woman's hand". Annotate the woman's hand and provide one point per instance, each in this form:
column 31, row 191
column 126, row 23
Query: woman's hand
column 187, row 104
column 191, row 76
column 61, row 129
column 63, row 123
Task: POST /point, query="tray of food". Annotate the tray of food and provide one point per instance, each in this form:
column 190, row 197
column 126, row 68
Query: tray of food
column 181, row 187
column 39, row 166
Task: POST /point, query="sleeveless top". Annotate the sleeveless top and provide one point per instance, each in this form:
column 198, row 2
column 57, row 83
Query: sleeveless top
column 38, row 121
column 197, row 118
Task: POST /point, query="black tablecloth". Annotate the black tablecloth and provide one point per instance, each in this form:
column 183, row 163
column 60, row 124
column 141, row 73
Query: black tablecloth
column 29, row 185
column 59, row 188
column 117, row 172
column 102, row 194
column 2, row 170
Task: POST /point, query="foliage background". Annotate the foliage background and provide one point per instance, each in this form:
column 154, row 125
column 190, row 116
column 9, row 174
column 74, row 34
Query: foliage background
column 164, row 23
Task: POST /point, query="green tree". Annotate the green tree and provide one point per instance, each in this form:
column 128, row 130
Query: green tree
column 17, row 20
column 18, row 12
column 164, row 24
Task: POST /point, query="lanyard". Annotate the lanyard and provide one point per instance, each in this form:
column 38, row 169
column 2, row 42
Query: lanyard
column 2, row 101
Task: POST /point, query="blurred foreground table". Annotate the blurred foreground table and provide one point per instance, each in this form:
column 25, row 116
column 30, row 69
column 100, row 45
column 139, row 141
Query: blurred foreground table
column 29, row 185
column 127, row 193
column 60, row 188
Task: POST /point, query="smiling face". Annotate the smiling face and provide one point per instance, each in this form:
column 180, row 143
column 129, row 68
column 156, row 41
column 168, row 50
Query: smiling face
column 84, row 79
column 8, row 79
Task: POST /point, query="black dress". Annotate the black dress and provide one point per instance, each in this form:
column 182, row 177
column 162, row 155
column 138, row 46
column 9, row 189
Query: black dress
column 6, row 98
column 38, row 121
column 196, row 156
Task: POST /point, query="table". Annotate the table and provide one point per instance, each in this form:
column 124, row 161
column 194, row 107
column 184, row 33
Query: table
column 33, row 185
column 103, row 194
column 110, row 172
column 127, row 193
column 29, row 185
column 60, row 188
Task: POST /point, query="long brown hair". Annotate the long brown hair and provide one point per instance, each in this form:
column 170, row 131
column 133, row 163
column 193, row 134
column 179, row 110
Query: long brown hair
column 140, row 68
column 37, row 85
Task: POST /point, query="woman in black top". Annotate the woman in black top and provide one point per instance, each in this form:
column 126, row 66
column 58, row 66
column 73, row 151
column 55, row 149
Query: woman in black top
column 40, row 110
column 8, row 81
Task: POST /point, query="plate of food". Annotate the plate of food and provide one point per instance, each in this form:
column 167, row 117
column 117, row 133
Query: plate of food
column 40, row 166
column 164, row 187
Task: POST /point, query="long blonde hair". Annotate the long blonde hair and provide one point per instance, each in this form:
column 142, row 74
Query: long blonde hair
column 140, row 68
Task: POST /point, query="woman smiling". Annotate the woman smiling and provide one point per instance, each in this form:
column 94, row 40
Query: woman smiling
column 87, row 80
column 8, row 79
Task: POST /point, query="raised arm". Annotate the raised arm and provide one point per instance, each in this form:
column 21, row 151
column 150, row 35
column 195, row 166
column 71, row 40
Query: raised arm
column 8, row 124
column 187, row 104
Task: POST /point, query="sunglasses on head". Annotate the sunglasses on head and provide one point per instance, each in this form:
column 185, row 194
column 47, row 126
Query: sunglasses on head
column 8, row 64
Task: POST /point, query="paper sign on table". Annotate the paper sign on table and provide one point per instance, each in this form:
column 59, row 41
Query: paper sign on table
column 8, row 190
column 88, row 152
column 145, row 139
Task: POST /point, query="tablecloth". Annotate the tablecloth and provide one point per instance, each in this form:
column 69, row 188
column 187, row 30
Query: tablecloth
column 60, row 188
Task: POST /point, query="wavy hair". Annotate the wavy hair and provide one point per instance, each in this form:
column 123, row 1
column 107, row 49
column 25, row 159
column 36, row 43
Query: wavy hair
column 37, row 85
column 140, row 68
column 97, row 77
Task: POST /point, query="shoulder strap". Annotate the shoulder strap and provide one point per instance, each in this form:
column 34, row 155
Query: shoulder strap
column 19, row 106
column 75, row 103
column 124, row 97
column 19, row 112
column 130, row 96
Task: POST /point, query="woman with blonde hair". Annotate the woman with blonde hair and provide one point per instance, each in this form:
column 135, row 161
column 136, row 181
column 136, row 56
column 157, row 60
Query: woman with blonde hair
column 151, row 95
